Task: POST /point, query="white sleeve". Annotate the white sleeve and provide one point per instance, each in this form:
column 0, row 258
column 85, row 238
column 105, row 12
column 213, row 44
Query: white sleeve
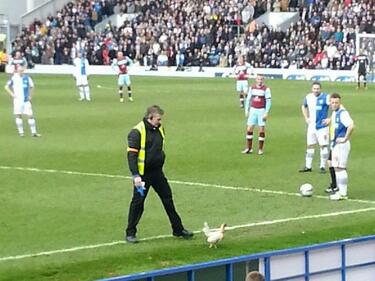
column 267, row 94
column 31, row 83
column 346, row 119
column 114, row 66
column 87, row 67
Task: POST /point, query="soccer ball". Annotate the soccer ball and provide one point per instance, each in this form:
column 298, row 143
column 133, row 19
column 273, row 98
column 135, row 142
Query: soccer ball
column 306, row 190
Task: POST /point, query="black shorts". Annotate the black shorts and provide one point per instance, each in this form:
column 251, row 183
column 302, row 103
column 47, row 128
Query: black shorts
column 330, row 155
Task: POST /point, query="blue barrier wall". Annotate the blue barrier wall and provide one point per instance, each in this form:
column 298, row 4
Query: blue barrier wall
column 354, row 256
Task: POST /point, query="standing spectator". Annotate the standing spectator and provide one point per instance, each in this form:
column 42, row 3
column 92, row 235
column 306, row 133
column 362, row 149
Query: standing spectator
column 3, row 60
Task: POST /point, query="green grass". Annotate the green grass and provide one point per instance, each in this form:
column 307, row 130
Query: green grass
column 46, row 211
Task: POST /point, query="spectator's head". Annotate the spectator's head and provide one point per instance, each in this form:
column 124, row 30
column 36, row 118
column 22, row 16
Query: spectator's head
column 254, row 276
column 17, row 55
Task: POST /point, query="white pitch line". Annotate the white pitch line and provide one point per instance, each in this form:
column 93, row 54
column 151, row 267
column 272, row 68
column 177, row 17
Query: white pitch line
column 193, row 184
column 248, row 225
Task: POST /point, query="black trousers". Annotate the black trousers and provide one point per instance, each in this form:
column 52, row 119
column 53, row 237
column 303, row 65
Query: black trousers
column 158, row 181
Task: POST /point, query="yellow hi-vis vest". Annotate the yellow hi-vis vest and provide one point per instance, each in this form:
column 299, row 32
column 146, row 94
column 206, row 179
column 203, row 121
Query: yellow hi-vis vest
column 142, row 151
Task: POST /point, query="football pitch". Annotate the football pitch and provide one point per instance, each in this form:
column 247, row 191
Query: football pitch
column 64, row 197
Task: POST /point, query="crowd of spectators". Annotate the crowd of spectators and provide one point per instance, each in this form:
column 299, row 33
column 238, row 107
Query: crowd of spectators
column 202, row 33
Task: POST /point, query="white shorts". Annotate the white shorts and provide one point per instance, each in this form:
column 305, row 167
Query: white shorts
column 81, row 80
column 340, row 154
column 242, row 86
column 256, row 117
column 21, row 107
column 124, row 79
column 315, row 136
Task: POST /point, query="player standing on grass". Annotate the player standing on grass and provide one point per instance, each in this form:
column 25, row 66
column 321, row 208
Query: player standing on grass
column 314, row 110
column 257, row 106
column 342, row 128
column 362, row 65
column 121, row 65
column 81, row 67
column 241, row 71
column 20, row 87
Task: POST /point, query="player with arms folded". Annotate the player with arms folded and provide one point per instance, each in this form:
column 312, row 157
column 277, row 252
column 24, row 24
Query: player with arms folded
column 241, row 70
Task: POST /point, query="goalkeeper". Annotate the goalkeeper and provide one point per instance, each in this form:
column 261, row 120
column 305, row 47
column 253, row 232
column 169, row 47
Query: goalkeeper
column 146, row 159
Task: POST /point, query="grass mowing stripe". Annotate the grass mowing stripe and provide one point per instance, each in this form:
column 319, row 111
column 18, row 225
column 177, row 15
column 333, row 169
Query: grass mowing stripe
column 74, row 249
column 193, row 184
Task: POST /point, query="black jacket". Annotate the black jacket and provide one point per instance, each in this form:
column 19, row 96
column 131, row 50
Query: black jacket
column 154, row 149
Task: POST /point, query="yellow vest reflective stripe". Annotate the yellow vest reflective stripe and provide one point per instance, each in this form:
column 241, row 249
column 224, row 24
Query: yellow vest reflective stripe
column 141, row 128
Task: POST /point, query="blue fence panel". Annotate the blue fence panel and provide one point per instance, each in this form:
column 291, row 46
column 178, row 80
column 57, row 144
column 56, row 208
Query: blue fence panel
column 190, row 270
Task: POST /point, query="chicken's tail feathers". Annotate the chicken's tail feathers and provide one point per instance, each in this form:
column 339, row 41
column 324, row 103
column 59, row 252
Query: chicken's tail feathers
column 206, row 229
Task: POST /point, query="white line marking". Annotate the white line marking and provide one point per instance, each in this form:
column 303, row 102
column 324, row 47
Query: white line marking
column 193, row 184
column 248, row 225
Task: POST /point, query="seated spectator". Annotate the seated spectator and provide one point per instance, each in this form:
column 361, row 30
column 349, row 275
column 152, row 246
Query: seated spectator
column 254, row 276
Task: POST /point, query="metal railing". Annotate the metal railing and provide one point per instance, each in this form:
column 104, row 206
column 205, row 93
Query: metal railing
column 266, row 261
column 42, row 11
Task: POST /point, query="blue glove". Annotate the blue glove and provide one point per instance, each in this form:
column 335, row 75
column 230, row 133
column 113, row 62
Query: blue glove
column 141, row 190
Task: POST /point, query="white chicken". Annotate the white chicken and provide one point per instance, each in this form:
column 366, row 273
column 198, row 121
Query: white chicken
column 214, row 236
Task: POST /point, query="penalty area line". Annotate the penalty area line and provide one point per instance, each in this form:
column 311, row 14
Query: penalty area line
column 248, row 225
column 192, row 184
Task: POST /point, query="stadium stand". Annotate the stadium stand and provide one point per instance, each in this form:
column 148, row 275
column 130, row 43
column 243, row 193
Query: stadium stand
column 202, row 33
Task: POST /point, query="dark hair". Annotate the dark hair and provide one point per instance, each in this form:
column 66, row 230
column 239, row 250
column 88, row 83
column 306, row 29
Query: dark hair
column 254, row 276
column 153, row 109
column 335, row 96
column 317, row 83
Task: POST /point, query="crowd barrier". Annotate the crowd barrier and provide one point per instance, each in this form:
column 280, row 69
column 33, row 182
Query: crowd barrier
column 344, row 260
column 270, row 73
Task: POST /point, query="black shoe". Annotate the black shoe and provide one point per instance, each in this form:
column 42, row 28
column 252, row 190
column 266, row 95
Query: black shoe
column 322, row 170
column 186, row 234
column 131, row 239
column 332, row 190
column 305, row 170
